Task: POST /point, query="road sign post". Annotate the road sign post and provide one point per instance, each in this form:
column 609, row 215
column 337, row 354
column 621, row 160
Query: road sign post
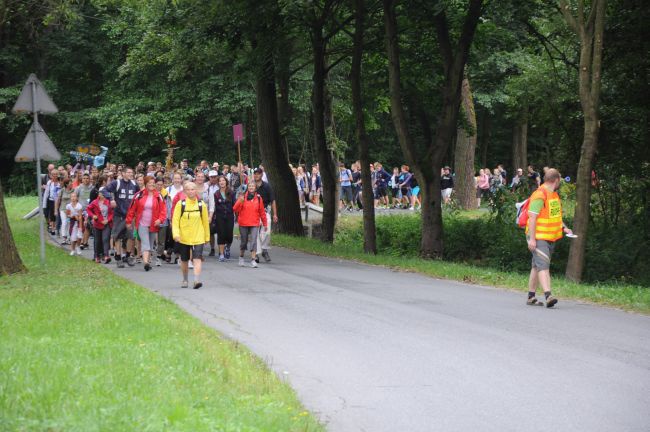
column 34, row 99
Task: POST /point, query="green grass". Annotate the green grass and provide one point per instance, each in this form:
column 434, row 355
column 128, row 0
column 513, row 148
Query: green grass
column 629, row 297
column 82, row 349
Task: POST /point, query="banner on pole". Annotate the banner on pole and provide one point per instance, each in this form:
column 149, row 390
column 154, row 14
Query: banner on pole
column 238, row 132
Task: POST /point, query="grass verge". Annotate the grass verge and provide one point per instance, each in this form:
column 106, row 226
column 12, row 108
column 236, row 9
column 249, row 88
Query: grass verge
column 83, row 349
column 629, row 297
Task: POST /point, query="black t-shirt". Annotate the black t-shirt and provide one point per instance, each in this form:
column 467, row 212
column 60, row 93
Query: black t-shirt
column 532, row 179
column 265, row 191
column 356, row 176
column 446, row 181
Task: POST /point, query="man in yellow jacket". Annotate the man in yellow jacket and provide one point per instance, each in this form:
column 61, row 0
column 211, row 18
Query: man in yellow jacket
column 191, row 230
column 545, row 227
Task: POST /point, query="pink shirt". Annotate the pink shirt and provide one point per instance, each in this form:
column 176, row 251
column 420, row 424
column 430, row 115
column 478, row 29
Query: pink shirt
column 145, row 220
column 484, row 182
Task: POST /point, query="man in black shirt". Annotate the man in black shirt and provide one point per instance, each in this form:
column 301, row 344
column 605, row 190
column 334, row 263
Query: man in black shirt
column 446, row 184
column 265, row 191
column 534, row 180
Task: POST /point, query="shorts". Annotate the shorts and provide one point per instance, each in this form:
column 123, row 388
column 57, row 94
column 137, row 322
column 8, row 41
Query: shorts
column 381, row 192
column 446, row 193
column 542, row 255
column 346, row 193
column 184, row 251
column 50, row 213
column 481, row 193
column 406, row 192
column 147, row 238
column 120, row 230
column 396, row 193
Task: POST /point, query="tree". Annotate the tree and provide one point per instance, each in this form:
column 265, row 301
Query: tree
column 369, row 232
column 590, row 31
column 426, row 165
column 10, row 261
column 465, row 151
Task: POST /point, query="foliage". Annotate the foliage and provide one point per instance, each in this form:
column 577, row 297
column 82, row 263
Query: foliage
column 96, row 352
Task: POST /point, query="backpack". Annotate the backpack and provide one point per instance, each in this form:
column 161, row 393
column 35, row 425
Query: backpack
column 183, row 207
column 413, row 182
column 521, row 219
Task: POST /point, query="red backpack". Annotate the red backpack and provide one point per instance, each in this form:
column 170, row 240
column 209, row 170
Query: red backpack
column 522, row 210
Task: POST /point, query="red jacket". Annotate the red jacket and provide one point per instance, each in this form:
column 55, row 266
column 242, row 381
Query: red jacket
column 158, row 210
column 94, row 210
column 250, row 212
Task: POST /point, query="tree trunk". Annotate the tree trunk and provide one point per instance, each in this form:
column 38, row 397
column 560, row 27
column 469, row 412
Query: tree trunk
column 369, row 231
column 427, row 166
column 465, row 151
column 590, row 34
column 284, row 105
column 273, row 154
column 328, row 171
column 10, row 261
column 520, row 142
column 484, row 136
column 249, row 135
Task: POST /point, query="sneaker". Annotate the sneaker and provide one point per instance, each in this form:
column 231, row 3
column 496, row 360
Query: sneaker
column 221, row 258
column 551, row 301
column 130, row 261
column 211, row 252
column 184, row 284
column 78, row 251
column 197, row 285
column 265, row 255
column 158, row 263
column 111, row 252
column 190, row 264
column 241, row 261
column 534, row 302
column 119, row 262
column 71, row 253
column 254, row 263
column 147, row 267
column 257, row 259
column 107, row 260
column 226, row 251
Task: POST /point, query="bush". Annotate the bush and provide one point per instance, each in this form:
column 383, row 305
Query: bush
column 613, row 253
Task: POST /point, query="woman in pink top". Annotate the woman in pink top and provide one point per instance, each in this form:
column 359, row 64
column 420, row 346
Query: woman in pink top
column 483, row 185
column 149, row 211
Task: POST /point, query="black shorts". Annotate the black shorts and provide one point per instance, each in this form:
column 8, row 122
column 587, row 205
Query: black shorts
column 50, row 213
column 184, row 251
column 381, row 192
column 120, row 230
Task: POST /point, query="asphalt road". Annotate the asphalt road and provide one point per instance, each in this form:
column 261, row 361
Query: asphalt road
column 371, row 349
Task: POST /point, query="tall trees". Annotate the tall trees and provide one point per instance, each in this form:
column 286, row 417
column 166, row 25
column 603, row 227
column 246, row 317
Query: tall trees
column 369, row 233
column 590, row 31
column 426, row 164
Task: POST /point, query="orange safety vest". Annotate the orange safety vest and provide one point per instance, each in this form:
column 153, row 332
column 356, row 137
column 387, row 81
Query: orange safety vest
column 549, row 220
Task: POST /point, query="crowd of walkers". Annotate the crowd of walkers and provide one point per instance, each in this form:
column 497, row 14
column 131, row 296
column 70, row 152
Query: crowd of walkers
column 150, row 215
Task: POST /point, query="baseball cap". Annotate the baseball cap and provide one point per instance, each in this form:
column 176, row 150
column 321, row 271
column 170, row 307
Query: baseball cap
column 213, row 173
column 258, row 171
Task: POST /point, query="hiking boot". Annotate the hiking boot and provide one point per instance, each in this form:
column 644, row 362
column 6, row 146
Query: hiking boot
column 197, row 285
column 119, row 262
column 534, row 302
column 184, row 284
column 551, row 301
column 211, row 252
column 265, row 255
column 130, row 261
column 147, row 267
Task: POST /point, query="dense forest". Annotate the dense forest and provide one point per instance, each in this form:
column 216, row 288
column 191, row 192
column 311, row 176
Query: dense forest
column 468, row 84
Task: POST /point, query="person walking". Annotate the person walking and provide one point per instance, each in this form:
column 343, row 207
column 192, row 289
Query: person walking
column 164, row 234
column 61, row 208
column 123, row 191
column 191, row 231
column 73, row 213
column 265, row 191
column 223, row 218
column 250, row 212
column 84, row 191
column 149, row 211
column 544, row 228
column 100, row 213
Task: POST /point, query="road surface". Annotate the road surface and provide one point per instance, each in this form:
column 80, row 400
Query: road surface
column 371, row 349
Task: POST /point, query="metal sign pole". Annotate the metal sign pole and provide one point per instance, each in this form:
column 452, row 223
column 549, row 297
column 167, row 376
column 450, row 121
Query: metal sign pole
column 37, row 155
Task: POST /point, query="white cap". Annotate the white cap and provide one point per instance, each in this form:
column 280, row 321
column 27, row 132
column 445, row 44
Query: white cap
column 213, row 173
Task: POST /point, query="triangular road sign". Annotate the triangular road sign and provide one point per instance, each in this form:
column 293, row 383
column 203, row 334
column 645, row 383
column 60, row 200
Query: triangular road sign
column 44, row 104
column 46, row 149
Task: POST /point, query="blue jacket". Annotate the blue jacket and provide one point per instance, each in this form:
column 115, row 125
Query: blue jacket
column 123, row 192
